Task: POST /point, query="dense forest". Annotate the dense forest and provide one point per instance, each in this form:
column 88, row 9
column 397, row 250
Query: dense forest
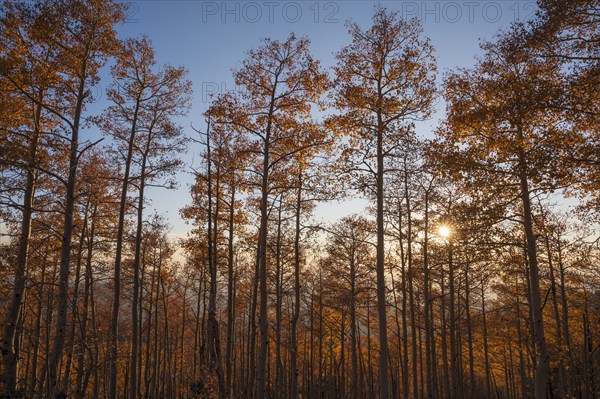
column 473, row 273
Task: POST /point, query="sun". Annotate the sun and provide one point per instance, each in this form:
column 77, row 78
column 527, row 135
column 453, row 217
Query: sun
column 444, row 231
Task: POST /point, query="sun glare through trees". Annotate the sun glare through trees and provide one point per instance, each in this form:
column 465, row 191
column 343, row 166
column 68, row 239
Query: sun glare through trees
column 470, row 269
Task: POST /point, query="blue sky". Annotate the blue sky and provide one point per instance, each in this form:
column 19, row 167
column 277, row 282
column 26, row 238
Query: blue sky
column 209, row 38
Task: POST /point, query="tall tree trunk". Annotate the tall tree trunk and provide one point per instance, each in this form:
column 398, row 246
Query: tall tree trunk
column 354, row 389
column 79, row 392
column 342, row 366
column 395, row 388
column 404, row 369
column 33, row 381
column 559, row 342
column 411, row 293
column 75, row 300
column 133, row 381
column 261, row 383
column 43, row 389
column 381, row 286
column 278, row 305
column 486, row 352
column 153, row 388
column 430, row 358
column 523, row 376
column 453, row 346
column 369, row 355
column 529, row 344
column 151, row 306
column 230, row 291
column 196, row 328
column 541, row 369
column 10, row 356
column 321, row 336
column 251, row 381
column 421, row 376
column 96, row 352
column 565, row 311
column 212, row 311
column 472, row 381
column 588, row 371
column 296, row 312
column 444, row 323
column 141, row 318
column 311, row 362
column 459, row 340
column 114, row 321
column 65, row 250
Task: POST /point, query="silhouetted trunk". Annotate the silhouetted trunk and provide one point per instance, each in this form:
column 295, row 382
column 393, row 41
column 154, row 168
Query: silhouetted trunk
column 114, row 321
column 444, row 328
column 486, row 352
column 565, row 313
column 411, row 293
column 381, row 287
column 75, row 299
column 354, row 389
column 296, row 313
column 404, row 337
column 589, row 381
column 452, row 315
column 369, row 352
column 230, row 293
column 321, row 336
column 33, row 381
column 213, row 338
column 541, row 369
column 150, row 317
column 278, row 305
column 261, row 383
column 430, row 358
column 10, row 355
column 81, row 358
column 559, row 341
column 395, row 388
column 197, row 342
column 133, row 381
column 251, row 382
column 65, row 250
column 472, row 381
column 522, row 375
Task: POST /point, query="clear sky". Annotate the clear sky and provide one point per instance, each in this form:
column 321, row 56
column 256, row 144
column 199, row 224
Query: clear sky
column 210, row 38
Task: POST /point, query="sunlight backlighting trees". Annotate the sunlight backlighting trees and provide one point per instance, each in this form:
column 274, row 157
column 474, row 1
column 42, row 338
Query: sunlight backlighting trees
column 445, row 231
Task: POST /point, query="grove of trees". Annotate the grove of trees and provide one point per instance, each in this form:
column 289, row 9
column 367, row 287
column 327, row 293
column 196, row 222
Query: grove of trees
column 473, row 273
